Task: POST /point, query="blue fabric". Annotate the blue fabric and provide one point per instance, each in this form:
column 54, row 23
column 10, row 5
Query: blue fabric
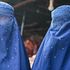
column 54, row 51
column 12, row 52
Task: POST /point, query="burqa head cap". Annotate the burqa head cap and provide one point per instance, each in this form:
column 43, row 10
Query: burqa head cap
column 61, row 14
column 5, row 8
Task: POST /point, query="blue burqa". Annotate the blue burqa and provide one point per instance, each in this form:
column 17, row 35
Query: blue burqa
column 12, row 52
column 54, row 51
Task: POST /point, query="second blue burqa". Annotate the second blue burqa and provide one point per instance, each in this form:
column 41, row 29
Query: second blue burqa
column 54, row 52
column 12, row 52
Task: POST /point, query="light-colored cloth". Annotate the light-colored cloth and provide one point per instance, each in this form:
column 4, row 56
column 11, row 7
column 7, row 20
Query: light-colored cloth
column 31, row 59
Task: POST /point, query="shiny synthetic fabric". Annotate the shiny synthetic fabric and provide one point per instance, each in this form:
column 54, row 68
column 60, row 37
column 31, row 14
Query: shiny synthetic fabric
column 54, row 51
column 12, row 52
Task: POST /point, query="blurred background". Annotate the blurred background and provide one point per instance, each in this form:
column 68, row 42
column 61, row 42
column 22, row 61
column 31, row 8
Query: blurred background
column 34, row 18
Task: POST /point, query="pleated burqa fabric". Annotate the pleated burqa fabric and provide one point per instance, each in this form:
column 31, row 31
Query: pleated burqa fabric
column 12, row 52
column 54, row 51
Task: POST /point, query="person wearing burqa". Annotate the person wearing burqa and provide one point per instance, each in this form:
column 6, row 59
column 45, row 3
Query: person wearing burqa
column 54, row 51
column 12, row 52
